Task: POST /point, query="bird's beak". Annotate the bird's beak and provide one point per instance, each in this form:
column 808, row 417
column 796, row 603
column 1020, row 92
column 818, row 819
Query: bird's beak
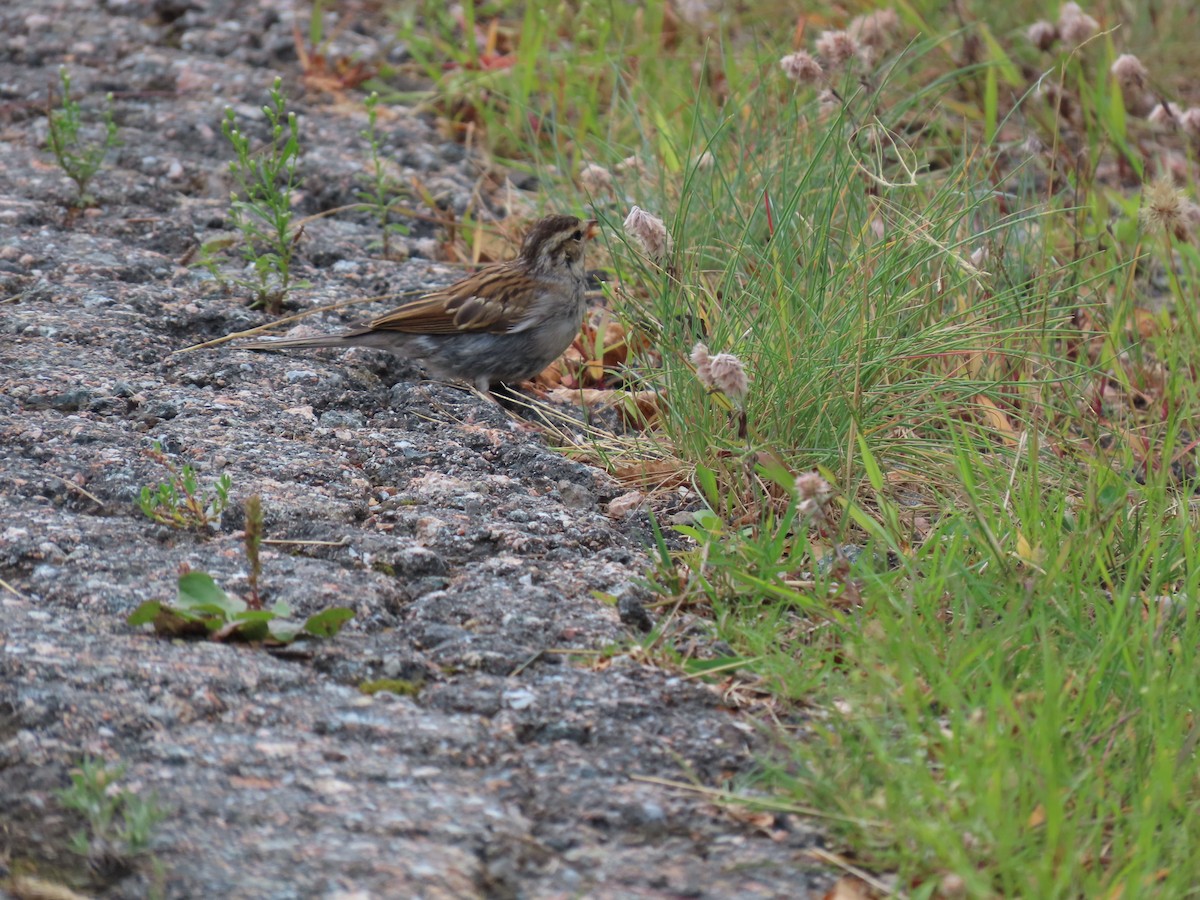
column 592, row 229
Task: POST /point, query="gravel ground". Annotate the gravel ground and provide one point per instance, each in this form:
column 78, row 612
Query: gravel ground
column 471, row 554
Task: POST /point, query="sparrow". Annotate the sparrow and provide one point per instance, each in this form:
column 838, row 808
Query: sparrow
column 503, row 324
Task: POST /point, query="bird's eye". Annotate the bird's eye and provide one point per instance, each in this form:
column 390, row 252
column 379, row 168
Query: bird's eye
column 577, row 236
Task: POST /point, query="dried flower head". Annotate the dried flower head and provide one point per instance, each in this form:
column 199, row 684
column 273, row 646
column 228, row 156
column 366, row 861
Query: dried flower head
column 695, row 12
column 1042, row 35
column 1075, row 26
column 1129, row 72
column 1191, row 217
column 1189, row 121
column 649, row 232
column 811, row 486
column 877, row 30
column 812, row 492
column 632, row 165
column 1166, row 114
column 801, row 68
column 596, row 179
column 836, row 48
column 703, row 364
column 1163, row 208
column 729, row 376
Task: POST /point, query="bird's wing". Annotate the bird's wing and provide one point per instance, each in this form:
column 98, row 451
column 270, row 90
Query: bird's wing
column 492, row 301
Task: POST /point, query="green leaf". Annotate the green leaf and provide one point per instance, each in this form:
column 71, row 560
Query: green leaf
column 255, row 615
column 284, row 630
column 198, row 592
column 706, row 481
column 144, row 614
column 252, row 630
column 721, row 664
column 328, row 622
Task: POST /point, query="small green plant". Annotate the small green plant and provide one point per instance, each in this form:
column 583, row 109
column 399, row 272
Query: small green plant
column 180, row 502
column 119, row 824
column 254, row 535
column 382, row 191
column 261, row 202
column 202, row 608
column 80, row 160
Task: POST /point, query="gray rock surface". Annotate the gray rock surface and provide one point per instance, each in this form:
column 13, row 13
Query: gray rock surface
column 471, row 554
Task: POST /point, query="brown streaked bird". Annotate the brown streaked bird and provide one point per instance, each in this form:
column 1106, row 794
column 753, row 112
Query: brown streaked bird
column 503, row 324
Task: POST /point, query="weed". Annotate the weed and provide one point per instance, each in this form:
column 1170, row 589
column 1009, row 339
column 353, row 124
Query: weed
column 180, row 502
column 320, row 71
column 254, row 536
column 80, row 160
column 261, row 202
column 118, row 824
column 382, row 191
column 202, row 608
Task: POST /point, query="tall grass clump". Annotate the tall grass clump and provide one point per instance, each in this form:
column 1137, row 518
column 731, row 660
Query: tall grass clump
column 945, row 511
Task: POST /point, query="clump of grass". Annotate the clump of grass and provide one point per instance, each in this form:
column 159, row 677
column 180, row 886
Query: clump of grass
column 932, row 269
column 79, row 159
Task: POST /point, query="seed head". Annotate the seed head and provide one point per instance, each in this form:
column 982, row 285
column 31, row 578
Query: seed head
column 801, row 68
column 703, row 364
column 1191, row 217
column 1042, row 35
column 1129, row 72
column 632, row 165
column 1163, row 208
column 876, row 30
column 1075, row 26
column 650, row 233
column 729, row 376
column 813, row 492
column 595, row 179
column 836, row 48
column 1189, row 121
column 1166, row 114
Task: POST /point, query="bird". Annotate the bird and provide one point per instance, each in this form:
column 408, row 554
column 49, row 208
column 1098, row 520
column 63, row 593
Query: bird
column 501, row 325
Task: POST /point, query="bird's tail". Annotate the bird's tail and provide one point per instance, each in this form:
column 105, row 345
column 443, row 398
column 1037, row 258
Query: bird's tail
column 322, row 340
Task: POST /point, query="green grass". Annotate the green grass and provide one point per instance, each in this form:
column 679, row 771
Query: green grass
column 976, row 343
